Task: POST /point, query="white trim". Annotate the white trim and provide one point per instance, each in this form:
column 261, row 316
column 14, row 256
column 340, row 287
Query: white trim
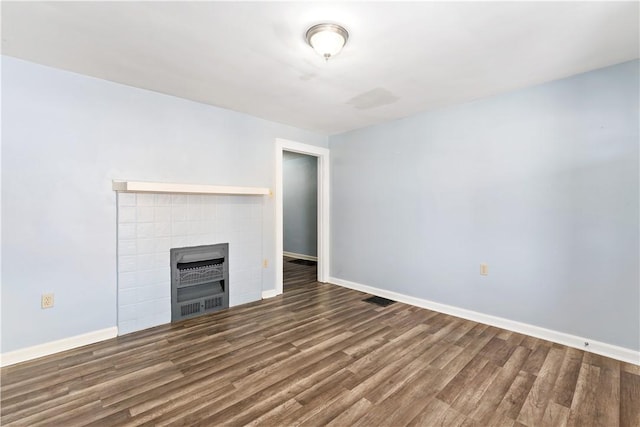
column 270, row 293
column 52, row 347
column 165, row 187
column 323, row 206
column 300, row 256
column 604, row 349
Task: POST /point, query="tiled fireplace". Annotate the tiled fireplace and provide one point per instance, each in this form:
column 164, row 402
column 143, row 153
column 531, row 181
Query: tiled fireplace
column 149, row 225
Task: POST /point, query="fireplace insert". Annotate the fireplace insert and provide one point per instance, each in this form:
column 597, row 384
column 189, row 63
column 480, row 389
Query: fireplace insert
column 199, row 280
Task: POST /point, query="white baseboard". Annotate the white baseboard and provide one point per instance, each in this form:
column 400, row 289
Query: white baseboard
column 269, row 293
column 604, row 349
column 300, row 256
column 52, row 347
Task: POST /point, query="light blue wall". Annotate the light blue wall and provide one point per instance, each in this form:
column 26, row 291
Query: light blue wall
column 300, row 203
column 541, row 184
column 64, row 138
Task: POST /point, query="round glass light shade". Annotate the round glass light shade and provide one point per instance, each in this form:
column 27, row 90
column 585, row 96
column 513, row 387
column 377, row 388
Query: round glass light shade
column 327, row 39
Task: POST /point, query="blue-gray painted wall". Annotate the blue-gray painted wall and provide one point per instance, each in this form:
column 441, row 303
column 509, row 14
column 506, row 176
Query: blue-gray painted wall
column 541, row 184
column 64, row 138
column 300, row 203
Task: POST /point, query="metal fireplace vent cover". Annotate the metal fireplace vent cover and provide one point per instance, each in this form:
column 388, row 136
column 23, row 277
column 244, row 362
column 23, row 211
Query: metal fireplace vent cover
column 199, row 280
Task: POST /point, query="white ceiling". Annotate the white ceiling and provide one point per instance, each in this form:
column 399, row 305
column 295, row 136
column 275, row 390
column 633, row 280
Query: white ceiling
column 401, row 58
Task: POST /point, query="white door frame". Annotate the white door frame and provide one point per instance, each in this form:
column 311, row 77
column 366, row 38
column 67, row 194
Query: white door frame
column 322, row 154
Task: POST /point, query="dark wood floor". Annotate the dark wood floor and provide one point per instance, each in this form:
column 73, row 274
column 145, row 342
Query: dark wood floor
column 318, row 355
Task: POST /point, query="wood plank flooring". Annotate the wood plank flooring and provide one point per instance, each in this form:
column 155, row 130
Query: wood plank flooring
column 318, row 355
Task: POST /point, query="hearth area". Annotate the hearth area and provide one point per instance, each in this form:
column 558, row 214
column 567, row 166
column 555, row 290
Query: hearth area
column 150, row 225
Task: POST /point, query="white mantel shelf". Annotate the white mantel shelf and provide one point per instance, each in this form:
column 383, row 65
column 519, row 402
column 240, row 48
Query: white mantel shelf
column 164, row 187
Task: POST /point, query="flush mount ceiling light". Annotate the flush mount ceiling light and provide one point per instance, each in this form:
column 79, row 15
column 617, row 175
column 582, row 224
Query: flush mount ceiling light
column 327, row 39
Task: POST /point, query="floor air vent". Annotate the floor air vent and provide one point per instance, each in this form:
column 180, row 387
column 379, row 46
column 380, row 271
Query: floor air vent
column 382, row 302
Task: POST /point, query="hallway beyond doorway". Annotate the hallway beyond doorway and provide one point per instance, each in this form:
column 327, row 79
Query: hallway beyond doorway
column 297, row 275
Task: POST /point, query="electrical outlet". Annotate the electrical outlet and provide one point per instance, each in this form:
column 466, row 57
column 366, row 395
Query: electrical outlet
column 47, row 300
column 484, row 269
column 265, row 263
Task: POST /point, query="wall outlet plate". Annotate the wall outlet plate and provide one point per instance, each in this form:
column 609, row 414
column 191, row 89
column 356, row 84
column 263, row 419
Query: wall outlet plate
column 484, row 269
column 46, row 300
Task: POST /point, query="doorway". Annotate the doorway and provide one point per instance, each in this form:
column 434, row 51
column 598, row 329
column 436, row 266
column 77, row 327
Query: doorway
column 322, row 207
column 300, row 219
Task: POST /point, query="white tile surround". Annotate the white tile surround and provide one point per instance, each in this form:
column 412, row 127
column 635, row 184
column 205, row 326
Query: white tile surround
column 150, row 224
